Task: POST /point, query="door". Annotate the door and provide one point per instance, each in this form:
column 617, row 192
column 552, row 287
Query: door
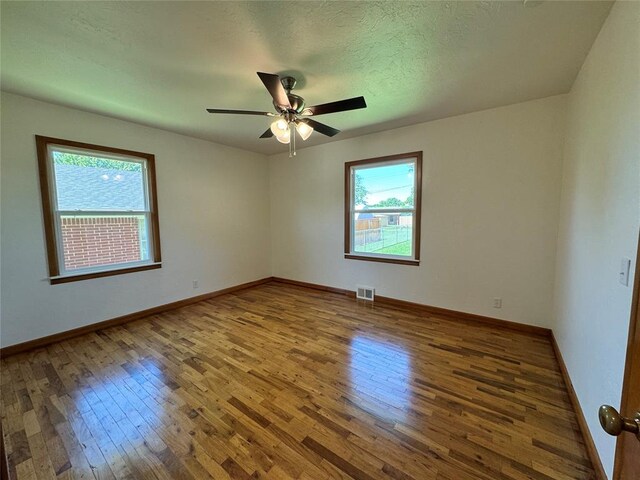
column 627, row 425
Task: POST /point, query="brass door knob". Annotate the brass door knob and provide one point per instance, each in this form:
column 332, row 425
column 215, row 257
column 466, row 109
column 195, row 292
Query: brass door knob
column 614, row 424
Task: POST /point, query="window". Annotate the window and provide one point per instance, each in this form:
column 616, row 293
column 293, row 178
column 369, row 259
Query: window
column 100, row 210
column 382, row 209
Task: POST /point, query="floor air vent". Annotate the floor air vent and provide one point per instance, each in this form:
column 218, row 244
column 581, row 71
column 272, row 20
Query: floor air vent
column 365, row 293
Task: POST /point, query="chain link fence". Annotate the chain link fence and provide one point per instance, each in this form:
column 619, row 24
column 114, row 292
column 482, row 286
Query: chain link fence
column 374, row 240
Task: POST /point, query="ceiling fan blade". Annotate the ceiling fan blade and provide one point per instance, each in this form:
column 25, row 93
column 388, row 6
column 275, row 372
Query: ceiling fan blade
column 333, row 107
column 267, row 134
column 239, row 112
column 274, row 85
column 321, row 127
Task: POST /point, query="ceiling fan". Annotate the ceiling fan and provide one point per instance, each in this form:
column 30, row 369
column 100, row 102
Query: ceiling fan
column 292, row 113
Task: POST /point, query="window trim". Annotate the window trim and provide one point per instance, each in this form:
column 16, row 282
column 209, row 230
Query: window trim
column 53, row 244
column 348, row 254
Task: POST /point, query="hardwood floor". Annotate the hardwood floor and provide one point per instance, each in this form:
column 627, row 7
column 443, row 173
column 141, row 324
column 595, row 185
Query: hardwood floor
column 286, row 382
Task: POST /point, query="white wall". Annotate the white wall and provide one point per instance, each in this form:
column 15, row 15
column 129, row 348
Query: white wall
column 600, row 217
column 214, row 221
column 491, row 192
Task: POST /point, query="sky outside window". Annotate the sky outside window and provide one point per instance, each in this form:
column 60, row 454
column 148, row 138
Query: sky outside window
column 384, row 183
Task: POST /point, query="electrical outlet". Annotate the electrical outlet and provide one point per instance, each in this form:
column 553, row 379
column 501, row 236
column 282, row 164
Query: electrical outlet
column 195, row 284
column 497, row 302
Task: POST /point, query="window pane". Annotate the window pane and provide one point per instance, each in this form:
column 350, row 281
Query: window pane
column 387, row 186
column 85, row 182
column 383, row 233
column 91, row 241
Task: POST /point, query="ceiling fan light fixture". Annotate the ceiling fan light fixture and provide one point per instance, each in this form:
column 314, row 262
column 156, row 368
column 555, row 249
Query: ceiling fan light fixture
column 290, row 108
column 285, row 137
column 280, row 127
column 304, row 130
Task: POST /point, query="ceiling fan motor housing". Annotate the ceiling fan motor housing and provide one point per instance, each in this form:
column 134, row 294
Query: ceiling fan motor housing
column 296, row 101
column 297, row 104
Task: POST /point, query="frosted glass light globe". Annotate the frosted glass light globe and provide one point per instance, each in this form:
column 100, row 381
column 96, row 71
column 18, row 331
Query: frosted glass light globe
column 304, row 130
column 285, row 137
column 280, row 127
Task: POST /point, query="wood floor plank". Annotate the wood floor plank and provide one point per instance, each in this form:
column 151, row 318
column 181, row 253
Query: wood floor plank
column 284, row 382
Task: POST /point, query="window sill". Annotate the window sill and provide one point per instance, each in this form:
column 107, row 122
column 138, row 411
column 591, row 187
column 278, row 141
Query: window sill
column 103, row 273
column 397, row 261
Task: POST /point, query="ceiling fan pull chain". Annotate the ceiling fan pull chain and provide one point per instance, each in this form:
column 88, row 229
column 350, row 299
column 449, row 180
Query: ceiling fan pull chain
column 292, row 128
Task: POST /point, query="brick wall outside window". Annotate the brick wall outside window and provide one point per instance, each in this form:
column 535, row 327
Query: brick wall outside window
column 97, row 241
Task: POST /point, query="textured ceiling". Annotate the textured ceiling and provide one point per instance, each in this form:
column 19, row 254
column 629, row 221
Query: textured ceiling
column 163, row 63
